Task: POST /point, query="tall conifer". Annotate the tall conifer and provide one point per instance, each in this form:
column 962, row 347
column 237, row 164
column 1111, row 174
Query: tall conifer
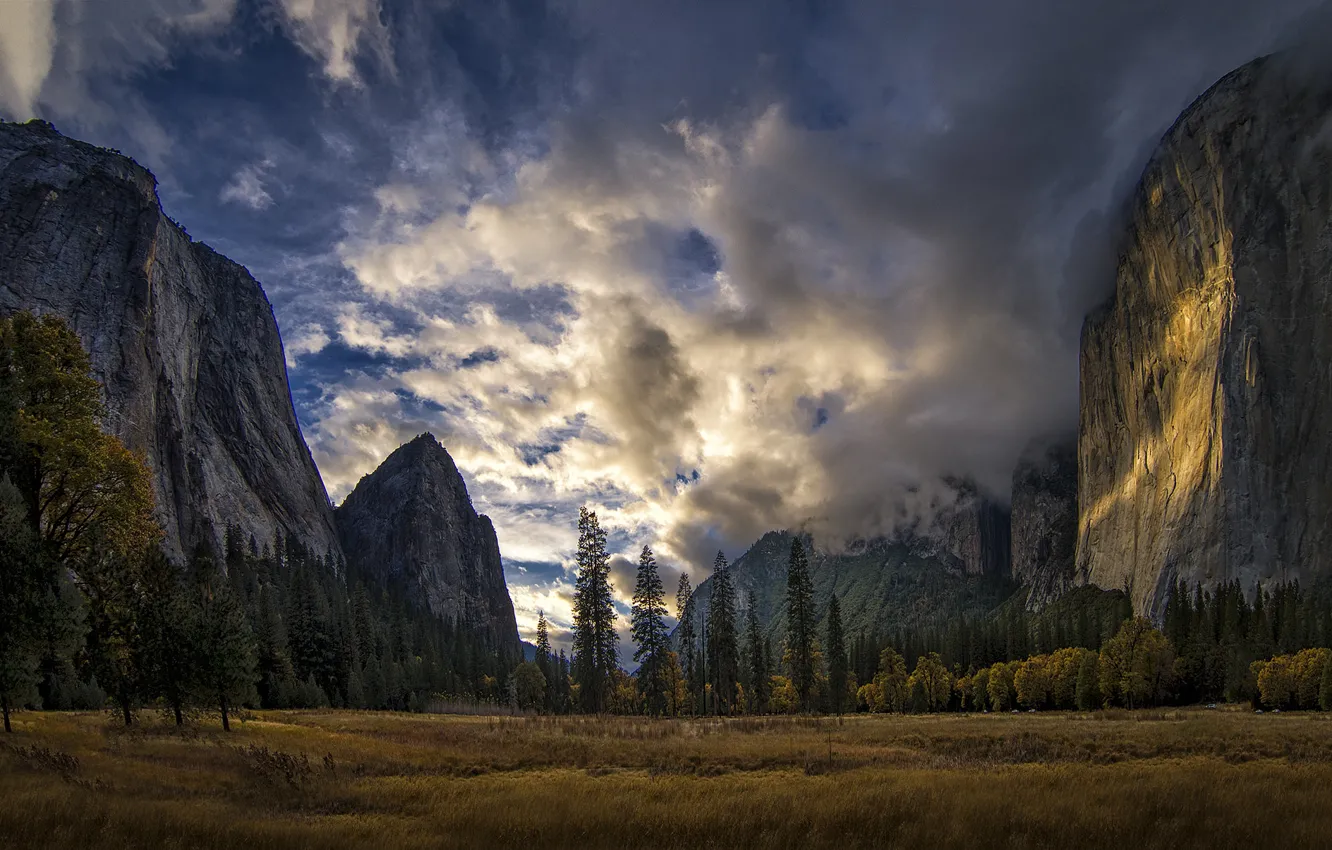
column 595, row 643
column 800, row 622
column 759, row 674
column 685, row 636
column 649, row 631
column 837, row 668
column 723, row 641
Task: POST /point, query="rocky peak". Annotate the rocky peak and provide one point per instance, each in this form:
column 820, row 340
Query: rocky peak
column 410, row 524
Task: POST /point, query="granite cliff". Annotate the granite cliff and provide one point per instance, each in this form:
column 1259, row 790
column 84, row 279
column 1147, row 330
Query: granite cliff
column 182, row 339
column 1205, row 446
column 1045, row 519
column 410, row 524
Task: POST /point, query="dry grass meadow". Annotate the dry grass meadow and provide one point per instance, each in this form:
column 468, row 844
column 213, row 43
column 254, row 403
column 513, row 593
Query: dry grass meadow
column 356, row 779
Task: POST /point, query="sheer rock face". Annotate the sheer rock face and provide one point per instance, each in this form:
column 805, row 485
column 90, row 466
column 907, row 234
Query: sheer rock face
column 971, row 536
column 411, row 523
column 1045, row 520
column 182, row 339
column 1204, row 451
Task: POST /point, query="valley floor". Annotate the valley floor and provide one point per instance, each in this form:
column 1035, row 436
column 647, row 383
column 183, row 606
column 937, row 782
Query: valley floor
column 1178, row 778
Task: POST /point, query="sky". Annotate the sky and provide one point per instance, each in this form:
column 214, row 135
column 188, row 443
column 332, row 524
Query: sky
column 710, row 268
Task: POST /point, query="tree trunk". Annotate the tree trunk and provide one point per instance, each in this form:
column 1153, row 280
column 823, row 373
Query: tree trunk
column 226, row 724
column 180, row 718
column 4, row 704
column 125, row 711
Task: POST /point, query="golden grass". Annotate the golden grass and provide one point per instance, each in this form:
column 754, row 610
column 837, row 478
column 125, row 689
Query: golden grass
column 359, row 779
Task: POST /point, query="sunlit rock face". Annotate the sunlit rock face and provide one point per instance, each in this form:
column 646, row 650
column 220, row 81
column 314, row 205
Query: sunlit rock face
column 410, row 524
column 1045, row 519
column 1205, row 449
column 182, row 339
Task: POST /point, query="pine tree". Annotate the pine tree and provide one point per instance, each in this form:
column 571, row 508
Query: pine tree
column 760, row 681
column 800, row 625
column 649, row 631
column 225, row 660
column 594, row 638
column 686, row 638
column 164, row 634
column 837, row 666
column 723, row 640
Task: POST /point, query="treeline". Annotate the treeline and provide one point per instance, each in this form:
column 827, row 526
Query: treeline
column 1084, row 651
column 93, row 613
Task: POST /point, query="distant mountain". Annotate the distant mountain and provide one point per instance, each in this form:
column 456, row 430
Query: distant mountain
column 182, row 339
column 529, row 650
column 882, row 584
column 410, row 524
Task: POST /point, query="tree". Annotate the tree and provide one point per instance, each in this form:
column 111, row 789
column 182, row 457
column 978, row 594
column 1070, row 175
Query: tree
column 891, row 680
column 277, row 677
column 723, row 640
column 1088, row 691
column 999, row 685
column 837, row 664
column 110, row 586
column 23, row 588
column 980, row 689
column 594, row 638
column 933, row 680
column 225, row 660
column 759, row 674
column 800, row 625
column 1063, row 668
column 529, row 685
column 1031, row 682
column 686, row 639
column 80, row 484
column 165, row 638
column 648, row 626
column 545, row 660
column 1135, row 664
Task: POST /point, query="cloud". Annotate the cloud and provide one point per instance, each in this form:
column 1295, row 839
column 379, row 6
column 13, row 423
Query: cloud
column 247, row 187
column 27, row 42
column 334, row 31
column 51, row 52
column 308, row 339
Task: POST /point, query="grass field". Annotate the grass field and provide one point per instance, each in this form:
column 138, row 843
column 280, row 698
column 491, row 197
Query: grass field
column 357, row 779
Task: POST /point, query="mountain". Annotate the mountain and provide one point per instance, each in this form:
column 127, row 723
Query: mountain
column 410, row 525
column 1045, row 519
column 182, row 339
column 953, row 564
column 1204, row 451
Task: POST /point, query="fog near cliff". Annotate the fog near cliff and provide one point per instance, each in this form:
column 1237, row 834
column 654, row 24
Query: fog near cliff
column 713, row 269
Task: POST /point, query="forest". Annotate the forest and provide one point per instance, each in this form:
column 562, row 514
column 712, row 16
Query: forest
column 94, row 615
